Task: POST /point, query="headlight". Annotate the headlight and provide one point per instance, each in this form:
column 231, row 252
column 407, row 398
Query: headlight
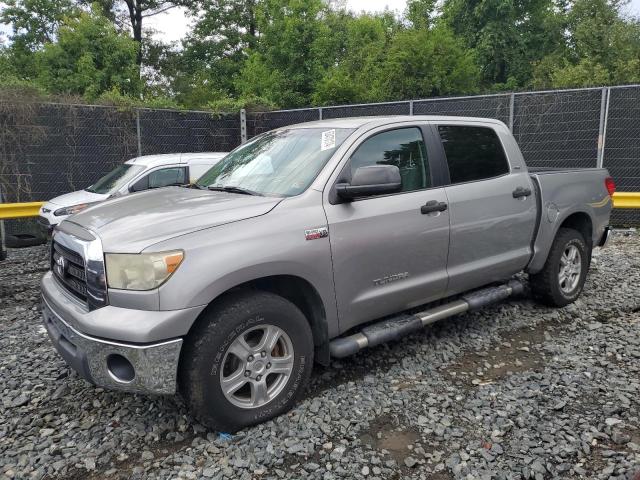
column 141, row 271
column 74, row 209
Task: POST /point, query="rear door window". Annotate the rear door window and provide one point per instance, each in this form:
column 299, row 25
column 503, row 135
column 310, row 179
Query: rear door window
column 473, row 153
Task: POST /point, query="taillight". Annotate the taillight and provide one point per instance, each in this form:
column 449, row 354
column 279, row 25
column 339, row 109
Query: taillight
column 611, row 186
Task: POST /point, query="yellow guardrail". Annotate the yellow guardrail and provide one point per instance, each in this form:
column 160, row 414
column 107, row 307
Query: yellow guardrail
column 626, row 200
column 31, row 209
column 19, row 210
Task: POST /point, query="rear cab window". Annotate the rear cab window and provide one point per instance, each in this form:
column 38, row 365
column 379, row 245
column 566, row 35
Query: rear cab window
column 472, row 153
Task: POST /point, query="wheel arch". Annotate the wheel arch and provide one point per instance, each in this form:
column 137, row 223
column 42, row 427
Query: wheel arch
column 580, row 221
column 298, row 291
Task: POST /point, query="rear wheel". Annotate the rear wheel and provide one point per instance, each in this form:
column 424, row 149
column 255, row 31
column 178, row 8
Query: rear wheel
column 247, row 361
column 561, row 280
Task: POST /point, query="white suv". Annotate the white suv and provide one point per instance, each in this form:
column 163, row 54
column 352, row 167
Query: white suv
column 135, row 175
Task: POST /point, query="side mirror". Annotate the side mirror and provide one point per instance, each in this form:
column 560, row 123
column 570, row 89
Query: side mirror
column 372, row 180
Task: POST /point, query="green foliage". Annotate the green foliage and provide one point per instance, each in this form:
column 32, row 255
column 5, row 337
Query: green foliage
column 13, row 85
column 421, row 13
column 265, row 54
column 600, row 48
column 354, row 74
column 228, row 104
column 35, row 22
column 283, row 67
column 507, row 35
column 424, row 63
column 88, row 58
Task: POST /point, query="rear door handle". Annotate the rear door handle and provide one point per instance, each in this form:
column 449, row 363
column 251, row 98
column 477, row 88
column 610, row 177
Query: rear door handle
column 433, row 206
column 521, row 192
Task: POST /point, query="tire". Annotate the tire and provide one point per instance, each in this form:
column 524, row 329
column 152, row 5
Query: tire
column 209, row 354
column 555, row 287
column 23, row 240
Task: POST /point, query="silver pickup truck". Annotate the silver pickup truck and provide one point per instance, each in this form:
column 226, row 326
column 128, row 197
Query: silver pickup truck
column 310, row 242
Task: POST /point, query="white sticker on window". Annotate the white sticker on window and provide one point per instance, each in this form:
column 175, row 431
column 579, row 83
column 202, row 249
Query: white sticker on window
column 328, row 140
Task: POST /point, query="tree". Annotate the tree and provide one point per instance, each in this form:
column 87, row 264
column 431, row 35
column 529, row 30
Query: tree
column 89, row 57
column 34, row 23
column 425, row 63
column 355, row 59
column 600, row 47
column 507, row 35
column 134, row 12
column 421, row 13
column 214, row 53
column 283, row 66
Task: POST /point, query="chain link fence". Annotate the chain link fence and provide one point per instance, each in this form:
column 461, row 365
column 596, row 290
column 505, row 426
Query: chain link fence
column 577, row 128
column 50, row 149
column 621, row 145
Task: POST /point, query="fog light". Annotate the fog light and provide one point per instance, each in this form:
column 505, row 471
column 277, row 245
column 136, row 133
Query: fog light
column 120, row 368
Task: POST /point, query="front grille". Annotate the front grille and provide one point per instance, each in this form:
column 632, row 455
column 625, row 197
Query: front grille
column 69, row 269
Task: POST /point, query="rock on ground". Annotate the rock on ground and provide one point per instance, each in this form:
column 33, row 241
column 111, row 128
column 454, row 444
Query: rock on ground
column 517, row 391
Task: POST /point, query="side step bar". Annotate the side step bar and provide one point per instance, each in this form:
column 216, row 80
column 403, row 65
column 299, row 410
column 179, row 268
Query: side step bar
column 397, row 327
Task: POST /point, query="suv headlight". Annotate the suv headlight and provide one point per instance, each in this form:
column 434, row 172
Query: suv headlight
column 73, row 209
column 141, row 271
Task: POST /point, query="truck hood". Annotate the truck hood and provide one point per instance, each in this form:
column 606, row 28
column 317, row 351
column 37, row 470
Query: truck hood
column 75, row 198
column 132, row 223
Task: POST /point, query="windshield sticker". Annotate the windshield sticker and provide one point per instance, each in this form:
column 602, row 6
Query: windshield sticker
column 328, row 140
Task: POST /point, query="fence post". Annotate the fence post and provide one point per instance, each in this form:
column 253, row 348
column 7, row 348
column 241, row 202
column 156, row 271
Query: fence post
column 512, row 101
column 138, row 132
column 319, row 113
column 410, row 107
column 243, row 126
column 602, row 132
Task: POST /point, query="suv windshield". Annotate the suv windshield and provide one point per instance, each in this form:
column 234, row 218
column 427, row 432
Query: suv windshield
column 280, row 163
column 115, row 178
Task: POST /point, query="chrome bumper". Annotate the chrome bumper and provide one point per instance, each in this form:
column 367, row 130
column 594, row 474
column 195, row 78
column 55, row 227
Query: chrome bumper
column 149, row 368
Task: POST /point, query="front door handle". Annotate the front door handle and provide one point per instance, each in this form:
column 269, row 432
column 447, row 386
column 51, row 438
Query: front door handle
column 433, row 206
column 521, row 192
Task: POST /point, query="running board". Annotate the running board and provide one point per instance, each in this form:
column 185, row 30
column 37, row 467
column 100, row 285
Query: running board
column 397, row 327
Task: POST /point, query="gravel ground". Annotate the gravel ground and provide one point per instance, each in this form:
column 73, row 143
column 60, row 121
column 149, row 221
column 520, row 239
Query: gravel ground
column 517, row 391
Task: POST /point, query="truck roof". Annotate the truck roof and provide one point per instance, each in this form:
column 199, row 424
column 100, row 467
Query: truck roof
column 167, row 158
column 356, row 122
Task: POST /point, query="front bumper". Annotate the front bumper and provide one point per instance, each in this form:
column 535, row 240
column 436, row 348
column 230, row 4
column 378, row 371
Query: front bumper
column 148, row 368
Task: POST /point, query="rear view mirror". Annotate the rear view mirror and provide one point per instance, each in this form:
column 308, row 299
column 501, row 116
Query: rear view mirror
column 371, row 180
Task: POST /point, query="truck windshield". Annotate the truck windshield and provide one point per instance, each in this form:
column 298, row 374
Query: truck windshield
column 115, row 178
column 280, row 163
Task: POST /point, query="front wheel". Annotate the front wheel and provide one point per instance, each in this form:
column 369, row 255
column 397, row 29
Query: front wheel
column 248, row 360
column 562, row 278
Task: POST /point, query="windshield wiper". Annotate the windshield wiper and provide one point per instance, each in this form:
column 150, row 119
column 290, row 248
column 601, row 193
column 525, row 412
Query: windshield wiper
column 232, row 189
